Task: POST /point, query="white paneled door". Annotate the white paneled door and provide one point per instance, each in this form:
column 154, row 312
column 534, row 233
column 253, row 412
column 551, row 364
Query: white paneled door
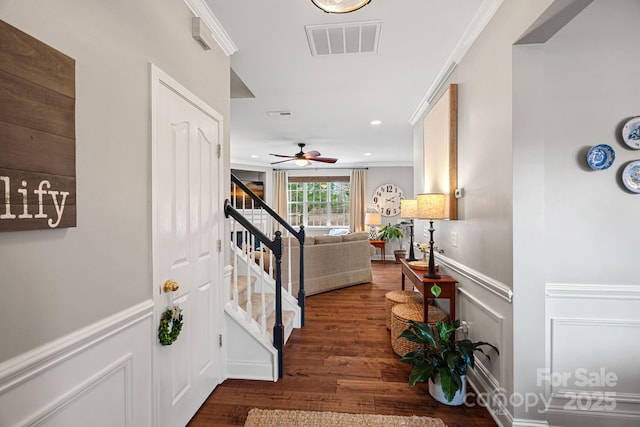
column 186, row 210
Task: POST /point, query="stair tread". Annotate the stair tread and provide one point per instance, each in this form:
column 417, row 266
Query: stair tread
column 256, row 304
column 287, row 317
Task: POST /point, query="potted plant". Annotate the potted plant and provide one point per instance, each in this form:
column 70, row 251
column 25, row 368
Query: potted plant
column 441, row 359
column 391, row 232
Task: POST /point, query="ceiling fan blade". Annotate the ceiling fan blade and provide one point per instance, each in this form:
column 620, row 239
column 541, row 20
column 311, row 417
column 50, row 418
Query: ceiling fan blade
column 282, row 155
column 323, row 159
column 281, row 161
column 311, row 154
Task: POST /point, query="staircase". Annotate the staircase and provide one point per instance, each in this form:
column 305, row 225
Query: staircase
column 260, row 311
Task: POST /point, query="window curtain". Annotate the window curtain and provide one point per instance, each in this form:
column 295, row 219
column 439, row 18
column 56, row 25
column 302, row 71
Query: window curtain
column 358, row 200
column 280, row 194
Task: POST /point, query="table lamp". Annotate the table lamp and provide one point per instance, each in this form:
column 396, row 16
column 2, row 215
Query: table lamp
column 372, row 219
column 409, row 209
column 430, row 207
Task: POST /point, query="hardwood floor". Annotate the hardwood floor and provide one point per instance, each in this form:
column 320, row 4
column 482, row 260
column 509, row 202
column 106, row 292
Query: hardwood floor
column 340, row 361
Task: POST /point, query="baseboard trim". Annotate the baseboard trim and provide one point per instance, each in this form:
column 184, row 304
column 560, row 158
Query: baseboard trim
column 568, row 402
column 494, row 286
column 22, row 368
column 488, row 390
column 250, row 371
column 528, row 423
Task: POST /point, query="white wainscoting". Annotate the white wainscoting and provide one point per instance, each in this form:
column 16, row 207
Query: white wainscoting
column 100, row 375
column 593, row 354
column 485, row 305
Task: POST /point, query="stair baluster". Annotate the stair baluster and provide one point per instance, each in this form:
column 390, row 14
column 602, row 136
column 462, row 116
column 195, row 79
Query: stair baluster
column 246, row 238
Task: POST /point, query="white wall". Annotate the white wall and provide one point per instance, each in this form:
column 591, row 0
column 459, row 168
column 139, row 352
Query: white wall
column 482, row 261
column 401, row 177
column 535, row 223
column 591, row 89
column 69, row 292
column 61, row 280
column 592, row 273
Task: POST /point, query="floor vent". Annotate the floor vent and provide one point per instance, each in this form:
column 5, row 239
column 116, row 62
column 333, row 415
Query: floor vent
column 339, row 39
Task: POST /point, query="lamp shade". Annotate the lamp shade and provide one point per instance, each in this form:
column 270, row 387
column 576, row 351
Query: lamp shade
column 340, row 6
column 408, row 208
column 372, row 219
column 431, row 206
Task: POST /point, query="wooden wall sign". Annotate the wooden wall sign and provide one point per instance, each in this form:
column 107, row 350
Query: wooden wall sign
column 441, row 149
column 37, row 134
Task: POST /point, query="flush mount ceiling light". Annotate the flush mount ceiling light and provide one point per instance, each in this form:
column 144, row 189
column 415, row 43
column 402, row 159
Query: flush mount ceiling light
column 340, row 6
column 302, row 162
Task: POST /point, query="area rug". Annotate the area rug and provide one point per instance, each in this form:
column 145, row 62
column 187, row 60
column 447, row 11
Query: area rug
column 281, row 418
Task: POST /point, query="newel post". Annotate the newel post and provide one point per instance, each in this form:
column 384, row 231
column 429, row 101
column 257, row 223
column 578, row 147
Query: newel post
column 278, row 328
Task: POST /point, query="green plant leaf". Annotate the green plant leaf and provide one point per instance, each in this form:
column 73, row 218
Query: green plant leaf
column 451, row 383
column 481, row 343
column 413, row 357
column 446, row 330
column 421, row 373
column 436, row 290
column 440, row 354
column 420, row 333
column 466, row 348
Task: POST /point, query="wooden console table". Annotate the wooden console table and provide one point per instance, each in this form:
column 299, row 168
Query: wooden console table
column 423, row 284
column 379, row 244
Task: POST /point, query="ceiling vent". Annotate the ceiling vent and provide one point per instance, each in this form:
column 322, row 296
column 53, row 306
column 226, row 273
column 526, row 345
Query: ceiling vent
column 279, row 113
column 336, row 39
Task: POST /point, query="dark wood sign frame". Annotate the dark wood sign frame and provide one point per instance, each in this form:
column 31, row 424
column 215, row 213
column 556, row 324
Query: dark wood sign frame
column 37, row 134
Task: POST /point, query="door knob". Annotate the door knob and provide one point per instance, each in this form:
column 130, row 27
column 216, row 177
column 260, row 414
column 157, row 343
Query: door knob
column 170, row 286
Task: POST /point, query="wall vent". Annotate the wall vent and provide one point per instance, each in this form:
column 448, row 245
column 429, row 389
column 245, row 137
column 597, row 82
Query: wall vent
column 337, row 39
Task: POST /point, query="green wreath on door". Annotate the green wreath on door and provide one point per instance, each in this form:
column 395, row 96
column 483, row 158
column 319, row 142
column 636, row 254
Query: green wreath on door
column 170, row 325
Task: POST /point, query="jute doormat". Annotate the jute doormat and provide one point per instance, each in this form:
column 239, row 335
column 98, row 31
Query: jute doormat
column 281, row 418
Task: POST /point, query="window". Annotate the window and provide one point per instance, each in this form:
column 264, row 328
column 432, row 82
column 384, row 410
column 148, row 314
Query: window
column 318, row 201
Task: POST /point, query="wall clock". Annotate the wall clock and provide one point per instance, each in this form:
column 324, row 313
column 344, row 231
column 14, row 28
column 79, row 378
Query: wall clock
column 386, row 199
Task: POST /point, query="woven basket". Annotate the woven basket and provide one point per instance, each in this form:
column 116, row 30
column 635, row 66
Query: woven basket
column 392, row 298
column 401, row 314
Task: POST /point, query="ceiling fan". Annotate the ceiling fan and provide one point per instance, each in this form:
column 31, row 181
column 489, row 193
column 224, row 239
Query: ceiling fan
column 304, row 159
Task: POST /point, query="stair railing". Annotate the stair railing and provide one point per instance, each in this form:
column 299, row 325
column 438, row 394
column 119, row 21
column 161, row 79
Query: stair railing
column 253, row 221
column 275, row 246
column 269, row 219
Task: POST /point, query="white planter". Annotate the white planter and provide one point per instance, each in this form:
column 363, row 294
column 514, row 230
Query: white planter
column 435, row 390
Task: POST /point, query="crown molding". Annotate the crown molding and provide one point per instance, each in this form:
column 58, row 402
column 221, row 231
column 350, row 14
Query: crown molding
column 200, row 9
column 480, row 20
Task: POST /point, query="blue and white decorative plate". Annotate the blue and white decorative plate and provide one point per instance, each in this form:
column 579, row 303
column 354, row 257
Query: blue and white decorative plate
column 601, row 157
column 631, row 133
column 631, row 176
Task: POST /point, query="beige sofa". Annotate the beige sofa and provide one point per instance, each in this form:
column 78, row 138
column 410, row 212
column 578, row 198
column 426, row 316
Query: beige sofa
column 330, row 262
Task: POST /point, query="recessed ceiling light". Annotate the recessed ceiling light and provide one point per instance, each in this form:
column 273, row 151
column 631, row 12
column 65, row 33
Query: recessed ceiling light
column 376, row 122
column 254, row 156
column 367, row 154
